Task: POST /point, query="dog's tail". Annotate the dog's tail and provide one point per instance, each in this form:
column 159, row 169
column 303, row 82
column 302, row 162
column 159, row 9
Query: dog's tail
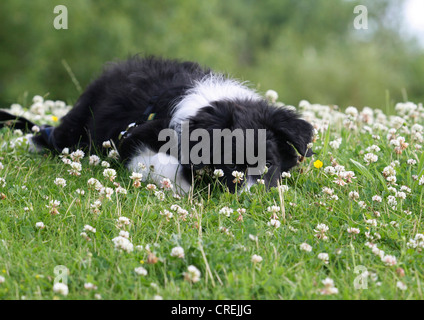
column 43, row 138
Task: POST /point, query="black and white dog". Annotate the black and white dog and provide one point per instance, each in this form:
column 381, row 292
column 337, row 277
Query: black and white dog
column 133, row 101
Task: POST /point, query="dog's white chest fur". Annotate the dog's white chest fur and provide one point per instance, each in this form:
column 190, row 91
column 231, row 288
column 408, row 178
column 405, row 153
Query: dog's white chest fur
column 157, row 167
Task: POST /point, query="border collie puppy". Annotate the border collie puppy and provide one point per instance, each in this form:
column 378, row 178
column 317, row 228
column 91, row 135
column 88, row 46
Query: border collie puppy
column 132, row 102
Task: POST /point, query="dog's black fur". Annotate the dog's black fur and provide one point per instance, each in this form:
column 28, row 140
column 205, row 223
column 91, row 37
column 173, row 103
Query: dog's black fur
column 127, row 92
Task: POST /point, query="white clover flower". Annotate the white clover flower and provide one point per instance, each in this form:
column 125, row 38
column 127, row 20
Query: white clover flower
column 328, row 191
column 192, row 275
column 85, row 236
column 109, row 174
column 177, row 252
column 123, row 244
column 120, row 190
column 218, row 173
column 401, row 195
column 330, row 170
column 94, row 160
column 35, row 129
column 353, row 230
column 389, row 260
column 400, row 285
column 76, row 167
column 274, row 223
column 305, row 247
column 2, row 182
column 286, row 175
column 372, row 222
column 95, row 183
column 2, row 279
column 166, row 184
column 373, row 148
column 108, row 192
column 321, row 227
column 136, row 176
column 253, row 238
column 335, row 144
column 140, row 271
column 60, row 288
column 226, row 211
column 40, row 225
column 77, row 155
column 274, row 209
column 238, row 176
column 113, row 154
column 362, row 204
column 106, row 144
column 391, row 200
column 160, row 195
column 329, row 288
column 124, row 234
column 405, row 189
column 370, row 158
column 123, row 221
column 351, row 111
column 271, row 96
column 151, row 187
column 324, row 257
column 411, row 162
column 65, row 152
column 353, row 195
column 60, row 182
column 421, row 182
column 89, row 228
column 377, row 198
column 256, row 258
column 105, row 164
column 1, row 166
column 90, row 286
column 283, row 188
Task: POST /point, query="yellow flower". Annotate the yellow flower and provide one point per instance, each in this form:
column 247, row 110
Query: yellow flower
column 142, row 261
column 54, row 118
column 318, row 164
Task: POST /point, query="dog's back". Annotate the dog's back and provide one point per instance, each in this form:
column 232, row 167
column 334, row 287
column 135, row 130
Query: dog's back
column 133, row 89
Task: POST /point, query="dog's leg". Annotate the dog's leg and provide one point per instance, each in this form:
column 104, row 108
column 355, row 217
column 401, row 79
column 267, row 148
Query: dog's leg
column 141, row 148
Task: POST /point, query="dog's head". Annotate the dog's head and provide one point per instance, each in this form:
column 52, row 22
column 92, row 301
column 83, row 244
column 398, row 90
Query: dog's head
column 272, row 136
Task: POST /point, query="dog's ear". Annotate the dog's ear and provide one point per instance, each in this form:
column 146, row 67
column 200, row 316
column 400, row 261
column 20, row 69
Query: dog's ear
column 288, row 126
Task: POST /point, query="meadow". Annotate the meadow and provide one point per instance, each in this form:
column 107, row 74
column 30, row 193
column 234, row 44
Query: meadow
column 344, row 224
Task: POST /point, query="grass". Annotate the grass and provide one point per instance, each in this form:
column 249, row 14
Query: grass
column 29, row 256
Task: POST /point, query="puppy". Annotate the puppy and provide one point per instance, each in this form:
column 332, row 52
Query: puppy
column 169, row 118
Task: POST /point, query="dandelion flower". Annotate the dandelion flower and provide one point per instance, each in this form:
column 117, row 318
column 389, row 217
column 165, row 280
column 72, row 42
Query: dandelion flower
column 318, row 164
